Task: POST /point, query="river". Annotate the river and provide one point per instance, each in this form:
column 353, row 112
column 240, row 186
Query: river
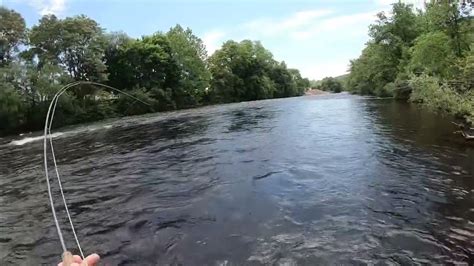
column 334, row 179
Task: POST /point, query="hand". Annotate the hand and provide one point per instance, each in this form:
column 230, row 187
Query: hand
column 91, row 260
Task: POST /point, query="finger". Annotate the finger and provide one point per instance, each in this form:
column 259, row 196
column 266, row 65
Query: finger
column 91, row 260
column 67, row 258
column 77, row 258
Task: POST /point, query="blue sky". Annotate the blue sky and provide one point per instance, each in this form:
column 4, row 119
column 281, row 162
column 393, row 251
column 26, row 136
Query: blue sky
column 316, row 37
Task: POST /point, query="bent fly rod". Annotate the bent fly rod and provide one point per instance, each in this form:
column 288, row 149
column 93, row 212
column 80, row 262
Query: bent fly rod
column 67, row 256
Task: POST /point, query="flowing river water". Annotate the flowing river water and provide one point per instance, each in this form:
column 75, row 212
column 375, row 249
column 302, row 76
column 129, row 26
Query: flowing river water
column 335, row 179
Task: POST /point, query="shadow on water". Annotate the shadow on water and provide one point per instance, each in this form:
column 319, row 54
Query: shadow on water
column 248, row 119
column 311, row 180
column 438, row 165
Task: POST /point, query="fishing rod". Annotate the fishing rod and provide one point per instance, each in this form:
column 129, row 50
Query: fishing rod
column 67, row 256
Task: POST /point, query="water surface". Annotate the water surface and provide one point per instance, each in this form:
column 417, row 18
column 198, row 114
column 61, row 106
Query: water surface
column 335, row 179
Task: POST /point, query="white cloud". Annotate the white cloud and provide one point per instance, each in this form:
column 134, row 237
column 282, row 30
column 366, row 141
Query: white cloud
column 384, row 2
column 324, row 69
column 328, row 38
column 46, row 7
column 352, row 22
column 213, row 40
column 268, row 27
column 419, row 4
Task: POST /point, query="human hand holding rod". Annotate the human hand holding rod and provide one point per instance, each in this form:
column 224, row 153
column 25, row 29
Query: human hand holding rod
column 76, row 260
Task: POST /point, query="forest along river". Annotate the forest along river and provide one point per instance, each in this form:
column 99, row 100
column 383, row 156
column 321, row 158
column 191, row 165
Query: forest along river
column 308, row 180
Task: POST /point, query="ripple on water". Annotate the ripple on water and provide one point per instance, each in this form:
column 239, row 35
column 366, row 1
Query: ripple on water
column 338, row 179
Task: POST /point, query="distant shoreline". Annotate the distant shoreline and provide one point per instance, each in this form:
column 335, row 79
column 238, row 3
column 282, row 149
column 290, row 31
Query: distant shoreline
column 313, row 92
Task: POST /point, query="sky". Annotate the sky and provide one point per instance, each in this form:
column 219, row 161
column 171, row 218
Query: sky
column 317, row 37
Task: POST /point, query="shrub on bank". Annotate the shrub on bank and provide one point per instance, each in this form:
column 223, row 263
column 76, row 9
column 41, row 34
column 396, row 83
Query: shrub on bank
column 437, row 95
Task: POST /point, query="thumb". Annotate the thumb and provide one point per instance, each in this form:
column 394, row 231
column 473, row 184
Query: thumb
column 91, row 260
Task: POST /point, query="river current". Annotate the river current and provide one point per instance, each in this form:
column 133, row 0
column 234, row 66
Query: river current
column 315, row 180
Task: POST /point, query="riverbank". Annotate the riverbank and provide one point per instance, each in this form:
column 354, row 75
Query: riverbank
column 314, row 92
column 252, row 74
column 436, row 68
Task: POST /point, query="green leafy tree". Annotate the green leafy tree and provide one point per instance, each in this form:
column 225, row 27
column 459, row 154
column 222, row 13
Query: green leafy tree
column 386, row 55
column 189, row 52
column 143, row 63
column 11, row 107
column 114, row 41
column 301, row 84
column 396, row 33
column 117, row 42
column 38, row 87
column 463, row 73
column 75, row 43
column 167, row 70
column 432, row 54
column 288, row 82
column 448, row 17
column 226, row 83
column 247, row 71
column 126, row 106
column 148, row 64
column 438, row 95
column 423, row 56
column 331, row 84
column 371, row 71
column 284, row 81
column 12, row 34
column 401, row 28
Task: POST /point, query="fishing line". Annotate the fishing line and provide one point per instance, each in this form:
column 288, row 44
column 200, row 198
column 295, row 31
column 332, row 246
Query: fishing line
column 47, row 131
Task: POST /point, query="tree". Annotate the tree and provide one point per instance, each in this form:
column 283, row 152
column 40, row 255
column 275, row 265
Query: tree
column 238, row 69
column 331, row 84
column 116, row 43
column 142, row 63
column 11, row 106
column 451, row 19
column 76, row 43
column 247, row 71
column 432, row 54
column 12, row 34
column 401, row 28
column 226, row 83
column 301, row 84
column 167, row 70
column 463, row 79
column 372, row 71
column 285, row 84
column 148, row 64
column 387, row 53
column 424, row 56
column 189, row 52
column 396, row 33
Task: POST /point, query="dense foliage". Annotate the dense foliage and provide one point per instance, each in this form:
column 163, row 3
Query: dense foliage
column 169, row 71
column 426, row 56
column 247, row 71
column 329, row 84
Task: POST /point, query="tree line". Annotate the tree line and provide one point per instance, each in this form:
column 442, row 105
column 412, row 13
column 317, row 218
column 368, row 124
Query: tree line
column 331, row 84
column 169, row 70
column 426, row 56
